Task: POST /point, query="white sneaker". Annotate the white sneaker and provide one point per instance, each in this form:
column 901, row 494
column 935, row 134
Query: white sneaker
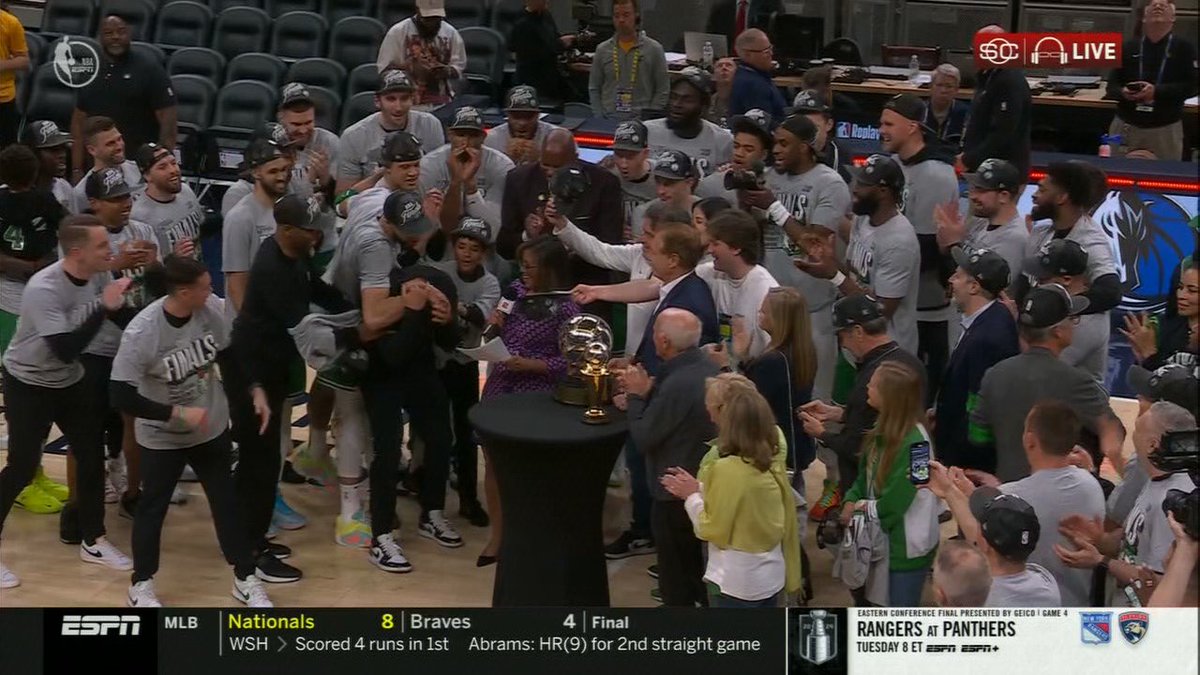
column 7, row 578
column 116, row 474
column 250, row 592
column 112, row 494
column 104, row 553
column 179, row 495
column 142, row 594
column 387, row 555
column 436, row 527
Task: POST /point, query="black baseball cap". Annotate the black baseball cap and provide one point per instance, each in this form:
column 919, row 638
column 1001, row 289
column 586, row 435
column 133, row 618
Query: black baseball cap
column 467, row 118
column 1007, row 522
column 908, row 106
column 44, row 134
column 756, row 122
column 473, row 228
column 1174, row 383
column 1058, row 257
column 522, row 98
column 698, row 78
column 810, row 101
column 293, row 93
column 568, row 184
column 297, row 211
column 855, row 310
column 405, row 211
column 394, row 80
column 880, row 170
column 1050, row 304
column 632, row 136
column 803, row 129
column 150, row 154
column 262, row 151
column 400, row 146
column 106, row 184
column 995, row 174
column 987, row 267
column 673, row 165
column 275, row 132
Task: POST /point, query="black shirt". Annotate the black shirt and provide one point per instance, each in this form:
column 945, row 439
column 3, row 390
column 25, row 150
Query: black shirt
column 29, row 223
column 535, row 41
column 129, row 90
column 1177, row 85
column 1000, row 120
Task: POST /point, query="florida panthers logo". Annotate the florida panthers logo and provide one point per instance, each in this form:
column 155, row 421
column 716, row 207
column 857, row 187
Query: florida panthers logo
column 1149, row 233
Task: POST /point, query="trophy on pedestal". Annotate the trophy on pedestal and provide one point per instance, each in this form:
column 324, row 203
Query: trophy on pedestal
column 586, row 343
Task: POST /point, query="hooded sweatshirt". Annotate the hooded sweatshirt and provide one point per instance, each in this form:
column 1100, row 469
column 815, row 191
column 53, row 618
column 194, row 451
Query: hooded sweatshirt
column 929, row 180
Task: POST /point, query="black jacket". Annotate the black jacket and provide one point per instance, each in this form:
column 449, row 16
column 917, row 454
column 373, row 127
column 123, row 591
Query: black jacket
column 1177, row 85
column 406, row 349
column 1000, row 120
column 535, row 42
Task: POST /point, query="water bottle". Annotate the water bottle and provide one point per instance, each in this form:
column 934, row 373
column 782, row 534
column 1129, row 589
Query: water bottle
column 707, row 56
column 914, row 68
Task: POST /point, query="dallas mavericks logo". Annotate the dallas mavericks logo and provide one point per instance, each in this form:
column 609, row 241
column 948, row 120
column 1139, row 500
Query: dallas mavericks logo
column 1150, row 235
column 1134, row 626
column 818, row 637
column 1095, row 628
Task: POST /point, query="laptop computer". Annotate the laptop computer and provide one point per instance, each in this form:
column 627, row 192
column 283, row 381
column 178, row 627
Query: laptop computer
column 693, row 46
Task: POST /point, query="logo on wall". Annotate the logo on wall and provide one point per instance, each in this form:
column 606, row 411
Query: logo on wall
column 1149, row 233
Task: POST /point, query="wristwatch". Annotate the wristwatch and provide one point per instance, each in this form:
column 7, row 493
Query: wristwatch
column 1104, row 563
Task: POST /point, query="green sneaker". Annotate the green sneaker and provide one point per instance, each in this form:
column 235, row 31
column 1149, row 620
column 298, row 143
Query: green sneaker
column 34, row 500
column 831, row 498
column 320, row 470
column 52, row 488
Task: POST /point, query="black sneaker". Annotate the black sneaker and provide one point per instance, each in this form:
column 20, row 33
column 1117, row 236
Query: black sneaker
column 473, row 512
column 652, row 571
column 68, row 525
column 280, row 551
column 629, row 544
column 291, row 476
column 128, row 506
column 273, row 570
column 433, row 525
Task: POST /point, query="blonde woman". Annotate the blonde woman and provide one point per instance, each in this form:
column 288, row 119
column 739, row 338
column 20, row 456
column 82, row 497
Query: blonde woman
column 884, row 488
column 742, row 504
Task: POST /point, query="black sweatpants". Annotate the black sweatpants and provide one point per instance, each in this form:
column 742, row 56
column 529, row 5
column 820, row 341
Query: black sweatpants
column 160, row 472
column 424, row 398
column 30, row 411
column 257, row 475
column 933, row 349
column 97, row 371
column 680, row 555
column 10, row 120
column 462, row 388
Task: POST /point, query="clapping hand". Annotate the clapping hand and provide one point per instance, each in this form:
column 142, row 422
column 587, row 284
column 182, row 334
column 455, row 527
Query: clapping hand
column 432, row 204
column 113, row 296
column 951, row 228
column 1143, row 339
column 812, row 426
column 679, row 483
column 634, row 380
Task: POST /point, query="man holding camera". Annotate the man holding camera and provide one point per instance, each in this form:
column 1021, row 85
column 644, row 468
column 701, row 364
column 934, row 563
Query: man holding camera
column 751, row 144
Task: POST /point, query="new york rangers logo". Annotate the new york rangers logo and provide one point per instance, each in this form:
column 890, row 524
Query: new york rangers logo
column 1134, row 626
column 1095, row 628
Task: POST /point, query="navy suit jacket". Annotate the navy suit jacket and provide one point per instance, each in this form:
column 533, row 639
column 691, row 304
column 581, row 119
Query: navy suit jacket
column 694, row 295
column 991, row 338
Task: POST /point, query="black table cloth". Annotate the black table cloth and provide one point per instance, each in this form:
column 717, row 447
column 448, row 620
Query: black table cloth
column 552, row 471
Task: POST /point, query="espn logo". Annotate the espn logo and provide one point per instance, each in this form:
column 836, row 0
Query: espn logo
column 101, row 624
column 1047, row 50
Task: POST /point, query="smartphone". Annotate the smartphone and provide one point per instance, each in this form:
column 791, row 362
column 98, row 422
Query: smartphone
column 918, row 471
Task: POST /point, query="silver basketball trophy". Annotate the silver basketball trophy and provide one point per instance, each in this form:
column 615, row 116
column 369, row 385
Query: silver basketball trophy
column 586, row 343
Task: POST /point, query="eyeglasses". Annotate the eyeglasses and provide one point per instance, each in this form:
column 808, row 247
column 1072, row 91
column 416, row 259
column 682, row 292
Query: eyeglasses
column 768, row 48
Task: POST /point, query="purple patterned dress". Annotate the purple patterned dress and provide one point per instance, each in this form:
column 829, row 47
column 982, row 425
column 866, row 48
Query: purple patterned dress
column 534, row 338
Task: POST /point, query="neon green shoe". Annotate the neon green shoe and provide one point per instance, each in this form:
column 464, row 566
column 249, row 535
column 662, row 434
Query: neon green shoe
column 33, row 500
column 354, row 532
column 52, row 488
column 319, row 469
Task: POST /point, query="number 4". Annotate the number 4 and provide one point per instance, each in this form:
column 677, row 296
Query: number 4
column 569, row 622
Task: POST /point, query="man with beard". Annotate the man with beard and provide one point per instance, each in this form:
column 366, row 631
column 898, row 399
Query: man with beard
column 929, row 182
column 51, row 145
column 131, row 88
column 168, row 206
column 811, row 104
column 469, row 174
column 521, row 137
column 883, row 255
column 252, row 220
column 106, row 146
column 429, row 49
column 400, row 167
column 629, row 70
column 995, row 223
column 244, row 185
column 752, row 141
column 315, row 152
column 358, row 150
column 1001, row 118
column 685, row 128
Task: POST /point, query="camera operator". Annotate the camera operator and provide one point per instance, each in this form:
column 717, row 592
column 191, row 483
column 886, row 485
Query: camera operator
column 1177, row 588
column 1135, row 555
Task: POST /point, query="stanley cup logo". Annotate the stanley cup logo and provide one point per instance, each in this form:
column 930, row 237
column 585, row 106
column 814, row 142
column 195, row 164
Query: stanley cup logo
column 818, row 637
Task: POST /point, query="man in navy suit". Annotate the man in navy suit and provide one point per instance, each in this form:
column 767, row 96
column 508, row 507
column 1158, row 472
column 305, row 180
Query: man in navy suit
column 673, row 253
column 989, row 335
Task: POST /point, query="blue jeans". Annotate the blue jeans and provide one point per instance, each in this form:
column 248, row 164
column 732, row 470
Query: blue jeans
column 729, row 602
column 904, row 588
column 639, row 488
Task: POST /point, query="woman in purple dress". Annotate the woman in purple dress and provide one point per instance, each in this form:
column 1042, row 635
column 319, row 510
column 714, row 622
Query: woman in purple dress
column 530, row 331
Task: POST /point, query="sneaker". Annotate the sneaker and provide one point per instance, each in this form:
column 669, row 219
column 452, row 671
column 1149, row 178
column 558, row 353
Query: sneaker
column 116, row 474
column 353, row 532
column 280, row 551
column 285, row 516
column 68, row 525
column 179, row 495
column 34, row 500
column 142, row 594
column 435, row 526
column 387, row 555
column 473, row 511
column 273, row 570
column 111, row 494
column 629, row 544
column 7, row 578
column 52, row 488
column 128, row 507
column 290, row 476
column 189, row 474
column 831, row 498
column 250, row 592
column 652, row 571
column 104, row 553
column 656, row 595
column 317, row 470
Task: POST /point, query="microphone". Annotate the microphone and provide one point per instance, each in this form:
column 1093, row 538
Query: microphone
column 508, row 302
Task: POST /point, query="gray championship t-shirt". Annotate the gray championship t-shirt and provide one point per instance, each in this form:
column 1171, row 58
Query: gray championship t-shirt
column 1088, row 234
column 499, row 136
column 52, row 305
column 713, row 185
column 482, row 292
column 887, row 260
column 1055, row 494
column 360, row 145
column 133, row 178
column 176, row 366
column 1148, row 536
column 326, row 142
column 246, row 226
column 489, row 180
column 634, row 196
column 1007, row 239
column 174, row 221
column 711, row 149
column 234, row 194
column 1035, row 587
column 364, row 259
column 816, row 198
column 64, row 192
column 109, row 338
column 1088, row 350
column 366, row 207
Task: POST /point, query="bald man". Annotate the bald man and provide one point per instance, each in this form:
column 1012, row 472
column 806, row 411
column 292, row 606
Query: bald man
column 752, row 85
column 1000, row 119
column 671, row 428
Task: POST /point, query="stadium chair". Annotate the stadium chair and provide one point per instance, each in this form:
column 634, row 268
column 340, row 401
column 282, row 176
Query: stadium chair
column 154, row 52
column 183, row 24
column 277, row 8
column 218, row 6
column 357, row 107
column 318, row 72
column 194, row 97
column 391, row 12
column 505, row 13
column 36, row 44
column 843, row 51
column 68, row 17
column 299, row 35
column 329, row 106
column 197, row 61
column 139, row 14
column 240, row 30
column 487, row 52
column 336, row 10
column 240, row 108
column 362, row 78
column 49, row 99
column 266, row 68
column 467, row 13
column 355, row 41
